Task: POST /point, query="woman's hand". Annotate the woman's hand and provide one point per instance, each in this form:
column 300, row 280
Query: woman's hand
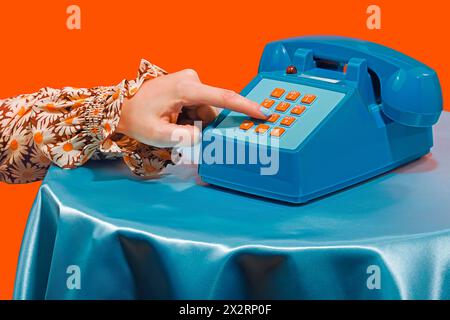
column 163, row 111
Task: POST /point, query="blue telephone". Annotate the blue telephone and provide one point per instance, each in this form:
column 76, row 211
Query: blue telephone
column 344, row 111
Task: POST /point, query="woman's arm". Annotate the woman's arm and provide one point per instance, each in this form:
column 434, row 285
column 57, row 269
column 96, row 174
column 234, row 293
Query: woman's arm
column 69, row 126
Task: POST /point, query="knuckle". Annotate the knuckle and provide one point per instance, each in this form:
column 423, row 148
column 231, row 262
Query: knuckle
column 190, row 74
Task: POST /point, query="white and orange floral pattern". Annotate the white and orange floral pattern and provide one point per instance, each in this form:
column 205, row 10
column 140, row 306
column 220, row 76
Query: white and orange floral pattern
column 70, row 126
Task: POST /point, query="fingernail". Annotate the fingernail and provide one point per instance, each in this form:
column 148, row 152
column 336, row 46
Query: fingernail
column 265, row 111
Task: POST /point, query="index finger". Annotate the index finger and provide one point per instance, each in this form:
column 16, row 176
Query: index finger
column 199, row 93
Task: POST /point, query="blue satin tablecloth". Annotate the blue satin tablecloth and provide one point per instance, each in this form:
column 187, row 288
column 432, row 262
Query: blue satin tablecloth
column 175, row 238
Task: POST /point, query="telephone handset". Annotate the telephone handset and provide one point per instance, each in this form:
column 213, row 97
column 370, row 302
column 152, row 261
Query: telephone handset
column 344, row 110
column 410, row 91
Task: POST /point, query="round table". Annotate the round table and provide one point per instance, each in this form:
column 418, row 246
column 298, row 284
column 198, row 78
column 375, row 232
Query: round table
column 98, row 233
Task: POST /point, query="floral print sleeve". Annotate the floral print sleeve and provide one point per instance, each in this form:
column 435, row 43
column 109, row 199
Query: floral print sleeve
column 68, row 127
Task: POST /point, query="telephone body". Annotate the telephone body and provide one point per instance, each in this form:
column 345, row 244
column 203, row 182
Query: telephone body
column 354, row 110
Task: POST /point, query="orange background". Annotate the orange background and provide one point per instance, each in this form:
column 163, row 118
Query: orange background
column 222, row 40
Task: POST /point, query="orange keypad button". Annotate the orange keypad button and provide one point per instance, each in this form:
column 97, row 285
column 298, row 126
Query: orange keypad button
column 298, row 110
column 262, row 128
column 247, row 124
column 277, row 92
column 267, row 103
column 283, row 106
column 274, row 117
column 309, row 98
column 287, row 121
column 277, row 132
column 293, row 95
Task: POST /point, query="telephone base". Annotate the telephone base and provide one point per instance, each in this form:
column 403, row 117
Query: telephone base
column 303, row 199
column 342, row 111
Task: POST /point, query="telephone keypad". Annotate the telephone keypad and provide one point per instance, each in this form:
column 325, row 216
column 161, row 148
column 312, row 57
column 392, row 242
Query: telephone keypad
column 277, row 132
column 307, row 116
column 308, row 99
column 282, row 106
column 246, row 124
column 267, row 103
column 277, row 92
column 262, row 128
column 273, row 118
column 293, row 95
column 287, row 121
column 298, row 110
